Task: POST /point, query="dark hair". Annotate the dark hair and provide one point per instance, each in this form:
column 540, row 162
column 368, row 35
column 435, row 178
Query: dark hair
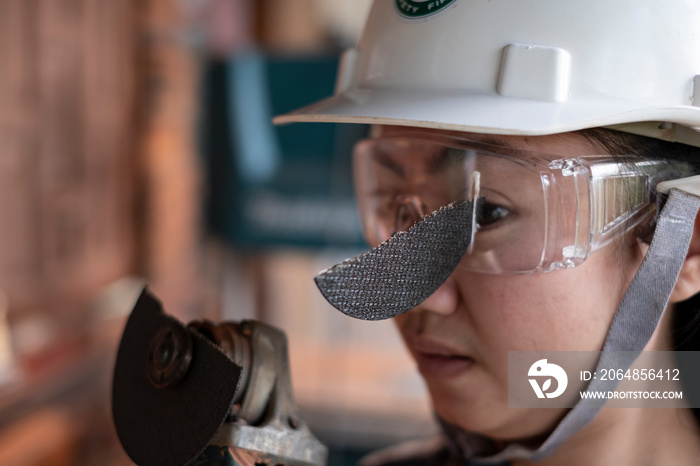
column 685, row 327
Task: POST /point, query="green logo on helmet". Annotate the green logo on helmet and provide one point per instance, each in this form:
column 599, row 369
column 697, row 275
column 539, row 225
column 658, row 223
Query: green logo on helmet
column 421, row 9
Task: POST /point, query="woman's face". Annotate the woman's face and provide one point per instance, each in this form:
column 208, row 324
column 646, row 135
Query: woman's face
column 460, row 336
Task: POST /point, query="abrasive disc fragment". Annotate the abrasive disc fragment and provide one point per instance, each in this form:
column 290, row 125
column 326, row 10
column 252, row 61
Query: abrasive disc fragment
column 170, row 421
column 403, row 271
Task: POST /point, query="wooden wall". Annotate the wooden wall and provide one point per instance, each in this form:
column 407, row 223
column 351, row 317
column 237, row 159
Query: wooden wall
column 67, row 87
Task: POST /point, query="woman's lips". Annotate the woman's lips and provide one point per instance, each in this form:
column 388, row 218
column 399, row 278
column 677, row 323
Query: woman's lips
column 437, row 360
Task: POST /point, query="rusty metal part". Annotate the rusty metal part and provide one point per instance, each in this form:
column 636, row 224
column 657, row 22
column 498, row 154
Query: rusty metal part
column 233, row 342
column 253, row 354
column 169, row 356
column 267, row 427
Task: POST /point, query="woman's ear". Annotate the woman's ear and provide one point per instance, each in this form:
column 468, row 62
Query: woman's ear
column 688, row 283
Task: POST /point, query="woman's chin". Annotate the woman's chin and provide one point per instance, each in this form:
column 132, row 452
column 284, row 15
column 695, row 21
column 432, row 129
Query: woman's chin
column 495, row 420
column 469, row 413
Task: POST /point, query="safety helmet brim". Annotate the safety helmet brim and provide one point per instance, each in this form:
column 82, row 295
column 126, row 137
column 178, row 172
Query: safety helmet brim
column 493, row 114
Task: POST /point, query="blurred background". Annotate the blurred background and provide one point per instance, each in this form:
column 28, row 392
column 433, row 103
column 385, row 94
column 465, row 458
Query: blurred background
column 136, row 147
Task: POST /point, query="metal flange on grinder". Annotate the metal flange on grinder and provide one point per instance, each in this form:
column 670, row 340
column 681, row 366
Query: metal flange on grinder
column 206, row 394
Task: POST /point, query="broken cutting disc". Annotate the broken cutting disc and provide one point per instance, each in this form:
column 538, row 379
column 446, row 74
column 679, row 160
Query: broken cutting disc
column 404, row 270
column 172, row 387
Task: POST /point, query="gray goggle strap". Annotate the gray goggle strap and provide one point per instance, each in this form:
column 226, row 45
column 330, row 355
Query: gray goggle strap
column 635, row 321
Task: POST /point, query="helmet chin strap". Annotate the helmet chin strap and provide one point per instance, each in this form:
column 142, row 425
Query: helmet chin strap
column 632, row 327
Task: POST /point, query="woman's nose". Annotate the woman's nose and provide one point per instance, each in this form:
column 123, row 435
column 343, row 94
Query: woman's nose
column 409, row 209
column 443, row 300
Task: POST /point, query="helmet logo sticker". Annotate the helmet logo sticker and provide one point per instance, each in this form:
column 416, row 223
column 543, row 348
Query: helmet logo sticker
column 421, row 10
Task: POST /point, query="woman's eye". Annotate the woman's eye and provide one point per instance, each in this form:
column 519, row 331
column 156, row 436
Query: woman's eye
column 490, row 214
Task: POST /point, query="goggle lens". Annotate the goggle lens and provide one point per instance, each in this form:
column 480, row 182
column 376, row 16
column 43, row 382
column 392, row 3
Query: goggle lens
column 537, row 214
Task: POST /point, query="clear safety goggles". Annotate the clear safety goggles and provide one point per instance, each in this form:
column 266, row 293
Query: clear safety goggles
column 538, row 213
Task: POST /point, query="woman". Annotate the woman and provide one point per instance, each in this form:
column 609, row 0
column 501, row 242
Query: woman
column 485, row 114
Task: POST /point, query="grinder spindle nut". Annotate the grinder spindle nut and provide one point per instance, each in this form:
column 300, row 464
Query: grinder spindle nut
column 169, row 356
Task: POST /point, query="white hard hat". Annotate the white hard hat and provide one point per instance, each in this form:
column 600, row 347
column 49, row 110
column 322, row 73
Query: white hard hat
column 523, row 67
